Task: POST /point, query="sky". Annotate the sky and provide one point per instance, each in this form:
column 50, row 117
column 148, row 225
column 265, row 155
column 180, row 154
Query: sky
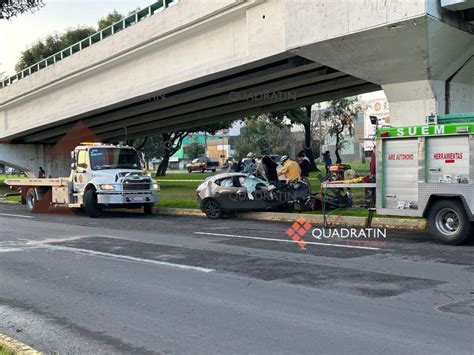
column 56, row 16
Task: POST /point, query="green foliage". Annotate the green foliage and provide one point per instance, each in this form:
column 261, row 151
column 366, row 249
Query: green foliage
column 262, row 135
column 174, row 140
column 55, row 42
column 150, row 147
column 296, row 115
column 9, row 8
column 194, row 150
column 51, row 45
column 110, row 19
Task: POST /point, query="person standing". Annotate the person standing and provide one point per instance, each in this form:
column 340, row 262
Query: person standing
column 303, row 162
column 270, row 168
column 41, row 173
column 327, row 160
column 290, row 169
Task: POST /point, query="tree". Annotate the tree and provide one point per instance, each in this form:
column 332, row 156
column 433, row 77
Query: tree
column 299, row 115
column 194, row 150
column 149, row 147
column 318, row 130
column 51, row 45
column 174, row 140
column 341, row 115
column 110, row 19
column 262, row 136
column 54, row 43
column 11, row 8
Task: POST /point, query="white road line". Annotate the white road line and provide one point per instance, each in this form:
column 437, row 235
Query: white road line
column 15, row 215
column 131, row 258
column 287, row 241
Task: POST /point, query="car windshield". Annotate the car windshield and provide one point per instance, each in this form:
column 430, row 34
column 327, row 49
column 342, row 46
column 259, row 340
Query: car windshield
column 114, row 158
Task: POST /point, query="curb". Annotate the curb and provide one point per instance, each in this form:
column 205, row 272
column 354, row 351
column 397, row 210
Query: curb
column 16, row 347
column 380, row 222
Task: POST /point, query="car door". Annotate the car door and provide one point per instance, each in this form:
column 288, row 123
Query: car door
column 258, row 200
column 80, row 172
column 229, row 196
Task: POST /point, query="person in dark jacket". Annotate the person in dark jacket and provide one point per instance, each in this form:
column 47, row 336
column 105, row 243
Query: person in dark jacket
column 270, row 168
column 41, row 173
column 327, row 160
column 303, row 161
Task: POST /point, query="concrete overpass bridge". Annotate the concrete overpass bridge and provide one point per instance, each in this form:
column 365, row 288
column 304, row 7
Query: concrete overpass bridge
column 187, row 63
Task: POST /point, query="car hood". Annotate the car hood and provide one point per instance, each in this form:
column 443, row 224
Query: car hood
column 117, row 174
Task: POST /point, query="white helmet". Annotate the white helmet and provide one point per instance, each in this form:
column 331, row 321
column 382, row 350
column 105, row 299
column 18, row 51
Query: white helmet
column 284, row 158
column 250, row 155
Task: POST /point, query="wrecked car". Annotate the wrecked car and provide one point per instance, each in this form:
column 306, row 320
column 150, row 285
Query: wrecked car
column 238, row 192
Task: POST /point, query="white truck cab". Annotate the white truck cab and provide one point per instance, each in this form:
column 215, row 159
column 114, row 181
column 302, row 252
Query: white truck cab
column 102, row 176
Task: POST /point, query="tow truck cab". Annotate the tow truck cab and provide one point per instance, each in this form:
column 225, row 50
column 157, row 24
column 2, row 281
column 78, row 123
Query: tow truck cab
column 114, row 176
column 102, row 176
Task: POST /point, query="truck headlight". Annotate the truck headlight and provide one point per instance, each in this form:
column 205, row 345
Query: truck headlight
column 108, row 187
column 155, row 186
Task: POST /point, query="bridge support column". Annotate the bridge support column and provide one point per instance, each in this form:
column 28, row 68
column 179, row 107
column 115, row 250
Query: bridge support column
column 29, row 157
column 413, row 101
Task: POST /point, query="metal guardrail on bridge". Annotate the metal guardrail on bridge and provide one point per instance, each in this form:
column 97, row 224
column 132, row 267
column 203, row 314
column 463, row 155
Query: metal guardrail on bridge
column 89, row 41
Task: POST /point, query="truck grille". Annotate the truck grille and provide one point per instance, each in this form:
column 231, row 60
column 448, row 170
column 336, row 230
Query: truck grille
column 136, row 186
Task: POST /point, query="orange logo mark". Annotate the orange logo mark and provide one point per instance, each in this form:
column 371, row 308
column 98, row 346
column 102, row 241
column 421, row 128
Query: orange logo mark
column 297, row 230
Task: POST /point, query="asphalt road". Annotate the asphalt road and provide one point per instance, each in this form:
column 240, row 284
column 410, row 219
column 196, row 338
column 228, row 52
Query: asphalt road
column 128, row 283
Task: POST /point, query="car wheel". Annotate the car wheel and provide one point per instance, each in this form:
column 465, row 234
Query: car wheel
column 93, row 209
column 448, row 222
column 213, row 170
column 190, row 171
column 203, row 170
column 31, row 199
column 212, row 209
column 148, row 209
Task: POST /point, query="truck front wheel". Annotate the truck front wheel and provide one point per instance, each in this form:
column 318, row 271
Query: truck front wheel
column 448, row 222
column 148, row 209
column 31, row 199
column 92, row 208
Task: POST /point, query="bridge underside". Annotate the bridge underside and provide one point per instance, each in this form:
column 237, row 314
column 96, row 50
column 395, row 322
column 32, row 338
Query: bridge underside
column 276, row 83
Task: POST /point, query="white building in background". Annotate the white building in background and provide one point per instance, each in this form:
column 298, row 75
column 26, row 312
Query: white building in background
column 375, row 104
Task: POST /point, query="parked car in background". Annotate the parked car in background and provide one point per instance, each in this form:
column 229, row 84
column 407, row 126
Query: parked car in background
column 202, row 164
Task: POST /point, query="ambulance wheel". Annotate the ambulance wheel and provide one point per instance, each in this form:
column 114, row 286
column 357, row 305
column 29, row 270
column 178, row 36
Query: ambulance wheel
column 448, row 222
column 31, row 199
column 148, row 209
column 93, row 209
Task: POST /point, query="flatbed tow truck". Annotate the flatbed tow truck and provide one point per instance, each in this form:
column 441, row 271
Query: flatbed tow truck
column 102, row 176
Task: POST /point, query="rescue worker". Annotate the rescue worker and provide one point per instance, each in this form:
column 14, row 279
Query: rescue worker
column 41, row 173
column 249, row 164
column 291, row 170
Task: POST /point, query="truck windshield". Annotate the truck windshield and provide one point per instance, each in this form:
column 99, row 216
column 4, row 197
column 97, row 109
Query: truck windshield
column 114, row 158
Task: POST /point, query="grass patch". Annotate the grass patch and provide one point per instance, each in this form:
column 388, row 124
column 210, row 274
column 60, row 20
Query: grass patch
column 4, row 352
column 177, row 191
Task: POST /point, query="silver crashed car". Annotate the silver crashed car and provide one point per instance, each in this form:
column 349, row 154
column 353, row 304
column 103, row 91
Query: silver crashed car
column 237, row 192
